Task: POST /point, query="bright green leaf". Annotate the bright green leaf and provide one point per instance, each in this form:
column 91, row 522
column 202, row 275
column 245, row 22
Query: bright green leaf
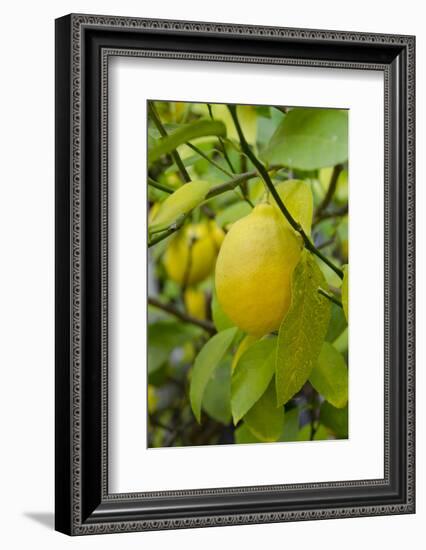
column 345, row 287
column 297, row 197
column 330, row 376
column 337, row 323
column 179, row 203
column 341, row 342
column 251, row 376
column 308, row 139
column 247, row 116
column 205, row 364
column 243, row 435
column 183, row 134
column 265, row 419
column 303, row 329
column 217, row 396
column 291, row 425
column 335, row 419
column 305, row 433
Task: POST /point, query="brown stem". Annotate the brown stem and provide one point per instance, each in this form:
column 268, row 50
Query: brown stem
column 330, row 191
column 168, row 308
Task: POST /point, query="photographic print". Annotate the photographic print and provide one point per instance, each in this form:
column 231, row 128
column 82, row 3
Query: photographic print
column 247, row 274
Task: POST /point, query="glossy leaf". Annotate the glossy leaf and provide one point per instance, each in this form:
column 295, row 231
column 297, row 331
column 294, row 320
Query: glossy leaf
column 291, row 425
column 335, row 419
column 179, row 203
column 183, row 134
column 244, row 435
column 320, row 434
column 297, row 197
column 302, row 331
column 217, row 396
column 337, row 323
column 330, row 376
column 308, row 139
column 252, row 376
column 265, row 419
column 205, row 364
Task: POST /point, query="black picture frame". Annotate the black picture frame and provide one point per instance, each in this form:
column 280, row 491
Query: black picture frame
column 83, row 45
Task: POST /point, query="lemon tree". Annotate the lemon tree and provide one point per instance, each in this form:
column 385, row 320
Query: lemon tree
column 248, row 256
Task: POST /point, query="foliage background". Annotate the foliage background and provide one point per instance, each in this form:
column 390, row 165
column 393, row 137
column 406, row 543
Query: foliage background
column 183, row 318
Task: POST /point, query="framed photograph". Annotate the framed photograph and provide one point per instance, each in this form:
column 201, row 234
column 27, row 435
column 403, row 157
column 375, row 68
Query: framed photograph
column 215, row 184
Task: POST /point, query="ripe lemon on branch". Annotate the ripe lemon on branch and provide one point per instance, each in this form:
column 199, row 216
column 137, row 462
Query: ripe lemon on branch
column 192, row 252
column 254, row 270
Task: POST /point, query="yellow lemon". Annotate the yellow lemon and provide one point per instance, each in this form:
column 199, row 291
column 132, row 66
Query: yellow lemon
column 254, row 269
column 195, row 303
column 191, row 254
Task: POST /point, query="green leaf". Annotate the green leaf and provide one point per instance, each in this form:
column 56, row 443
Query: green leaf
column 345, row 287
column 303, row 329
column 183, row 134
column 251, row 376
column 337, row 323
column 330, row 376
column 232, row 213
column 205, row 364
column 220, row 320
column 335, row 419
column 243, row 435
column 291, row 425
column 308, row 139
column 297, row 197
column 163, row 337
column 179, row 203
column 217, row 396
column 265, row 419
column 321, row 433
column 248, row 120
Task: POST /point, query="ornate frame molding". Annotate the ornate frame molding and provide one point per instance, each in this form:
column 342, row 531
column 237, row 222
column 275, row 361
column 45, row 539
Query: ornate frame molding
column 72, row 47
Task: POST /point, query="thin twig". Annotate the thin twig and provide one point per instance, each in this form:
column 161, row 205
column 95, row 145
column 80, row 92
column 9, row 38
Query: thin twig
column 168, row 308
column 163, row 132
column 211, row 161
column 160, row 186
column 270, row 186
column 222, row 144
column 330, row 297
column 330, row 191
column 333, row 214
column 167, row 232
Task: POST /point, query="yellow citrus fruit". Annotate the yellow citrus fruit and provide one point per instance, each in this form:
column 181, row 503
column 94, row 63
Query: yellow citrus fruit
column 254, row 269
column 195, row 303
column 192, row 252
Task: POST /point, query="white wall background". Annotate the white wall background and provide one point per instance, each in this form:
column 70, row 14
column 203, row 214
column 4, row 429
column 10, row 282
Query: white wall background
column 27, row 267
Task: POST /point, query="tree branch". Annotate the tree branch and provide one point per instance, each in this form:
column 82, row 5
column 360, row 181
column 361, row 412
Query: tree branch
column 160, row 186
column 330, row 191
column 333, row 214
column 330, row 297
column 211, row 161
column 268, row 182
column 168, row 308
